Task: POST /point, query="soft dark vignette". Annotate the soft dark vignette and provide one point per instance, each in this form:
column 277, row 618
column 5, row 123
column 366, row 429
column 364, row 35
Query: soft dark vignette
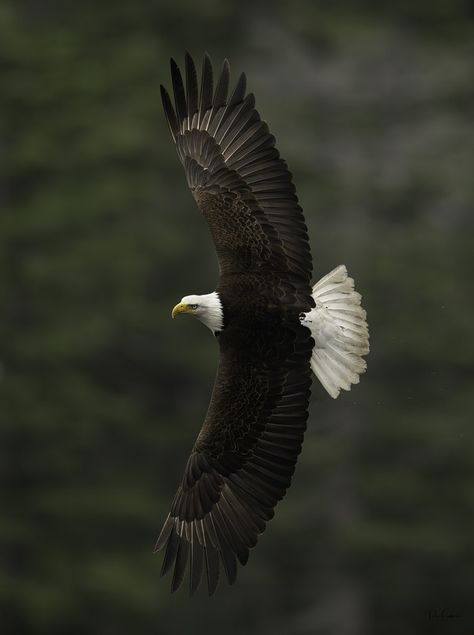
column 100, row 393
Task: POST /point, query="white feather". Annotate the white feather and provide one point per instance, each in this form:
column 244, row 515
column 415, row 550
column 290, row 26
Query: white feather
column 339, row 328
column 208, row 310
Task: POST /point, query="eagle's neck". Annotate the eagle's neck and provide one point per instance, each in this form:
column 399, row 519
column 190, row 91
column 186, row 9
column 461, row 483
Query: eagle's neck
column 210, row 312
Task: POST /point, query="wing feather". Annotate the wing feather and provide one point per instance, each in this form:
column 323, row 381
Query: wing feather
column 191, row 88
column 169, row 112
column 206, row 89
column 179, row 94
column 222, row 88
column 196, row 562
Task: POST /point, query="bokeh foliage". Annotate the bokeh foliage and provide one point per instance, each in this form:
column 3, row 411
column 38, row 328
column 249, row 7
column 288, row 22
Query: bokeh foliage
column 101, row 395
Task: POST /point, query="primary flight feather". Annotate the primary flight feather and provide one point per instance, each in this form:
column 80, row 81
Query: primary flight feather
column 272, row 328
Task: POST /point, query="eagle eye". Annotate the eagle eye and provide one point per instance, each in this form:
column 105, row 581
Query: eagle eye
column 193, row 306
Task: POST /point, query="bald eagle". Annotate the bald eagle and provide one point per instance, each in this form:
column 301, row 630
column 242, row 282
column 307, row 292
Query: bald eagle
column 271, row 326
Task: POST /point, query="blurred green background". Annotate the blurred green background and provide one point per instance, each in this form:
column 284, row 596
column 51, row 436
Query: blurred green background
column 102, row 395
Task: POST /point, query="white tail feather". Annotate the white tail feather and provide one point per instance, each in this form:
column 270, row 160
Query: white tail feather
column 338, row 325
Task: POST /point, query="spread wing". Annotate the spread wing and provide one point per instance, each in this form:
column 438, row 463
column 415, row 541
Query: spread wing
column 244, row 457
column 236, row 175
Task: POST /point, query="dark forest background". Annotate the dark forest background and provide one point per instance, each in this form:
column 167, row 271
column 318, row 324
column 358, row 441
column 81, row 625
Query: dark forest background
column 102, row 395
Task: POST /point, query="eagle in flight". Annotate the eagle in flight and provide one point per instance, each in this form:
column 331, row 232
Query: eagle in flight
column 273, row 329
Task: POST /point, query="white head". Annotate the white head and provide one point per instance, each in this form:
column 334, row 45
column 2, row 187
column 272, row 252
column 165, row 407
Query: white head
column 207, row 308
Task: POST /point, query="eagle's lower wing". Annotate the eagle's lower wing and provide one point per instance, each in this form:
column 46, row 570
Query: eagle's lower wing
column 244, row 457
column 237, row 177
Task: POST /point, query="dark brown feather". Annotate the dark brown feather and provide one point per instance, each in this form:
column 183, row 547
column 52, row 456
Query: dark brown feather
column 179, row 94
column 191, row 87
column 206, row 88
column 195, row 565
column 169, row 112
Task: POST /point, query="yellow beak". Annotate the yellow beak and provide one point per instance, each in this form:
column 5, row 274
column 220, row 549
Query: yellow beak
column 180, row 308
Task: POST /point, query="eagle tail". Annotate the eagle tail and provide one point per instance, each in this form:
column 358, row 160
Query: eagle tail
column 339, row 328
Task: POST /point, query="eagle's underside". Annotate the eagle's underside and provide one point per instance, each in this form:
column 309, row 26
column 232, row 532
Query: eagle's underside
column 272, row 330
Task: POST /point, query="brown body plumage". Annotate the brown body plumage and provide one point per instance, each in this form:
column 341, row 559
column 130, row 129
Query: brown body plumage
column 245, row 455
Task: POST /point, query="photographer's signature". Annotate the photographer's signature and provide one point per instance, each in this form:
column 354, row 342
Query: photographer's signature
column 442, row 614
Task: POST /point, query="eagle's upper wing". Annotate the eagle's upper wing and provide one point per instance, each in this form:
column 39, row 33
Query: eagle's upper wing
column 244, row 457
column 241, row 184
